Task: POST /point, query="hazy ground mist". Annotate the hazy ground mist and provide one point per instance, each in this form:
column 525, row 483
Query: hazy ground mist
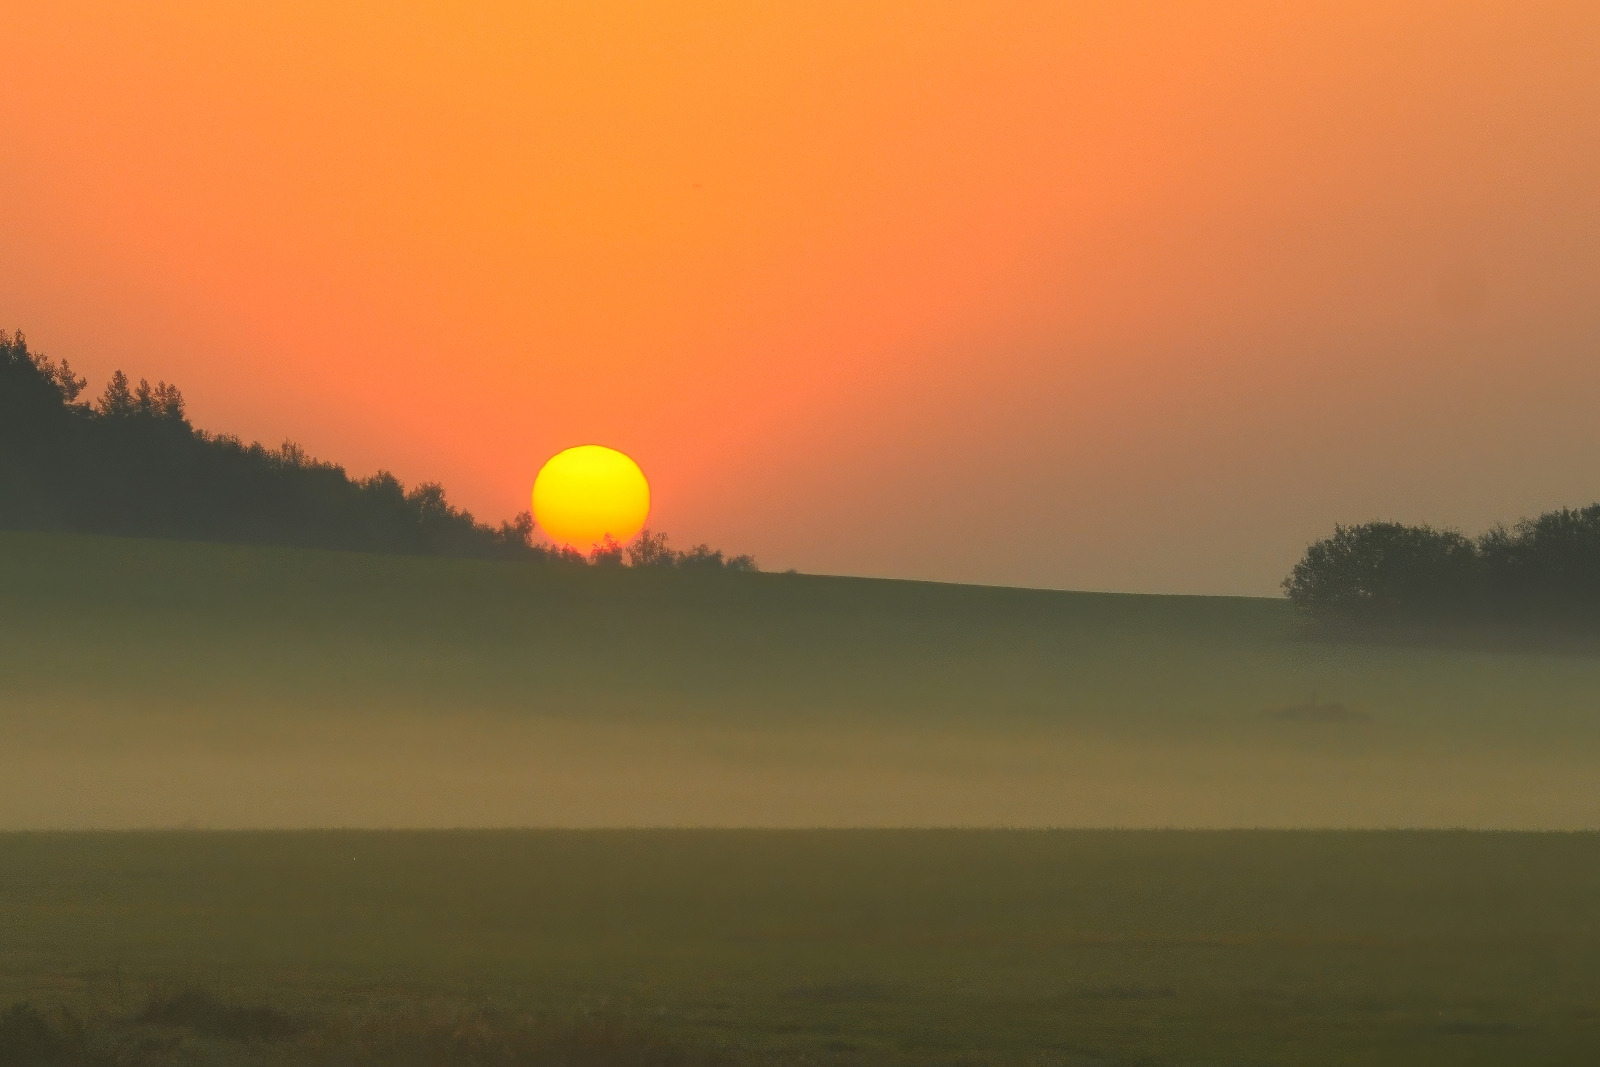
column 474, row 770
column 145, row 684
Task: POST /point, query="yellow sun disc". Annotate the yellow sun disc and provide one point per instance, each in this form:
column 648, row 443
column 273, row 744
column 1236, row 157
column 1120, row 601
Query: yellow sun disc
column 585, row 493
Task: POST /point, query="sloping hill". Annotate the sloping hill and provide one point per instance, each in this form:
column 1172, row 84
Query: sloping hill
column 164, row 683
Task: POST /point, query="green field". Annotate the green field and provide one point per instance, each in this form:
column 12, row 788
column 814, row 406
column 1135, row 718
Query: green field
column 164, row 685
column 850, row 947
column 159, row 684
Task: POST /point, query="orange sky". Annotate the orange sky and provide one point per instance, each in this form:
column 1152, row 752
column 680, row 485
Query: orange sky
column 1106, row 295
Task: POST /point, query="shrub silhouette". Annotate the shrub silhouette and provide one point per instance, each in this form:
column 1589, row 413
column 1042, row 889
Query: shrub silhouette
column 608, row 553
column 650, row 549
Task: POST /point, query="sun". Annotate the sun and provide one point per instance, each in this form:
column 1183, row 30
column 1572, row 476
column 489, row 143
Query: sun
column 587, row 492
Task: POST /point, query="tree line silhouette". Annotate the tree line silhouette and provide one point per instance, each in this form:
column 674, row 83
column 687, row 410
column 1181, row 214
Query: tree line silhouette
column 130, row 463
column 1541, row 570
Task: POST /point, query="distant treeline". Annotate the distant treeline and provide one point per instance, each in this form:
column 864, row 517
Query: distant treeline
column 130, row 463
column 1542, row 570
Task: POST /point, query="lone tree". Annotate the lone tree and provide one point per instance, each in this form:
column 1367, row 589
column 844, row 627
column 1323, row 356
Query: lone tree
column 1383, row 571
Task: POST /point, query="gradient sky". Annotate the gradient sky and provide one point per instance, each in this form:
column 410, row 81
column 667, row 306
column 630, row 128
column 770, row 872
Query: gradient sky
column 1099, row 295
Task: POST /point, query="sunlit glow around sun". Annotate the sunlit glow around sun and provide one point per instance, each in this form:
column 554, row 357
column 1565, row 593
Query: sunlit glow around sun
column 587, row 492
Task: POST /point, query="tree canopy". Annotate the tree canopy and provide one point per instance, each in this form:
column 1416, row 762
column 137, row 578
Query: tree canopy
column 1544, row 569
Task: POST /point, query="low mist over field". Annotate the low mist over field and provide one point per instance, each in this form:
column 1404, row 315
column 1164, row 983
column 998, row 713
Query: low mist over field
column 165, row 684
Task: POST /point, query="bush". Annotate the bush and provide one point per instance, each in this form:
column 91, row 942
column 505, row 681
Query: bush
column 650, row 549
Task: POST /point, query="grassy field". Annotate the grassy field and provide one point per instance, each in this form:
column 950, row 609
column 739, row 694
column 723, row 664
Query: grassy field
column 157, row 684
column 851, row 947
column 148, row 684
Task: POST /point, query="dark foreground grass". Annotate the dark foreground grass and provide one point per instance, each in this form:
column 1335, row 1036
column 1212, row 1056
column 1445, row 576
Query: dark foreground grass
column 158, row 1037
column 651, row 948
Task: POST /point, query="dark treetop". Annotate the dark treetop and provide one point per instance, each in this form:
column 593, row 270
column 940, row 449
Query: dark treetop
column 1542, row 570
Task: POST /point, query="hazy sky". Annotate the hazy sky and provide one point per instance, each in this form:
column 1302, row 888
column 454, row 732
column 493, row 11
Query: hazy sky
column 1105, row 295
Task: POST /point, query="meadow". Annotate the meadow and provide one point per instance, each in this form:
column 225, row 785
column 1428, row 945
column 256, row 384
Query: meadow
column 686, row 740
column 848, row 947
column 165, row 684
